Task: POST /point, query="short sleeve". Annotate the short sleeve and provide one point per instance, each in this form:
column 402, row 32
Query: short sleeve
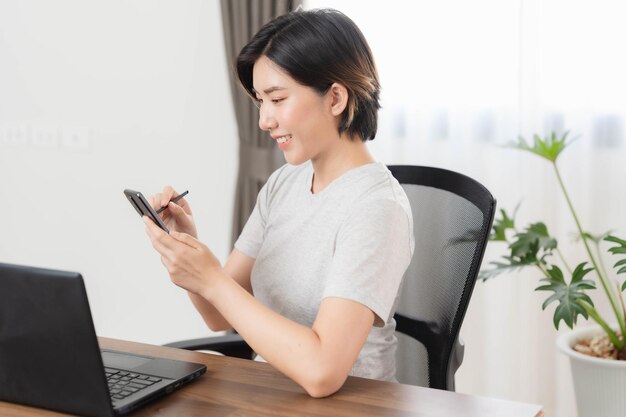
column 373, row 250
column 251, row 238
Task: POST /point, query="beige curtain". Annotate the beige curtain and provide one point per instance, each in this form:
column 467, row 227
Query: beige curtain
column 258, row 156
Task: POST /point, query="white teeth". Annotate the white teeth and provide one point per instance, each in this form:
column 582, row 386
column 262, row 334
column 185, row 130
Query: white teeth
column 283, row 139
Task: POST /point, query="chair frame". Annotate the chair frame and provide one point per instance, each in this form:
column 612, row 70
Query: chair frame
column 445, row 354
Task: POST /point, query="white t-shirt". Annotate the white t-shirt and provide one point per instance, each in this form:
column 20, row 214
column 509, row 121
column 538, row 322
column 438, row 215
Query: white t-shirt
column 352, row 240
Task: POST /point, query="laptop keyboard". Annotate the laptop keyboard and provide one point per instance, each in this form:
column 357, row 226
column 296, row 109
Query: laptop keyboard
column 123, row 383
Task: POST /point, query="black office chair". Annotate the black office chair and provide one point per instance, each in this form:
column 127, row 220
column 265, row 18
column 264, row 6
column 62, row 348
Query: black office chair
column 452, row 217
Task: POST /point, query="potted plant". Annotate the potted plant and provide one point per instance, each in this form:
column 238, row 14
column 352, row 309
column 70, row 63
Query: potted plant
column 597, row 355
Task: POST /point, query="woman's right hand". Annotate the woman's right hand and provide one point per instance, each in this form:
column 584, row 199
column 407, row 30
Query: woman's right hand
column 177, row 216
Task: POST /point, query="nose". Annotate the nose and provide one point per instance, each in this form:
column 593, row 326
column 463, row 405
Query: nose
column 267, row 121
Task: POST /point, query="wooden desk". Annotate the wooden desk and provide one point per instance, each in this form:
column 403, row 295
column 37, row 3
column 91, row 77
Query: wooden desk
column 236, row 387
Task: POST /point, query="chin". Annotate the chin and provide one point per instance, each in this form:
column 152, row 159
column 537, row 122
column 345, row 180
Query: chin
column 295, row 159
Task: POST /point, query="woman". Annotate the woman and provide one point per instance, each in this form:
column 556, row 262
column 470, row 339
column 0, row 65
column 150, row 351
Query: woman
column 312, row 282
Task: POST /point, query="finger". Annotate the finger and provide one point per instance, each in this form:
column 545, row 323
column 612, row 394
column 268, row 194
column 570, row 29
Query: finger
column 161, row 241
column 178, row 211
column 185, row 206
column 166, row 195
column 154, row 200
column 167, row 263
column 166, row 214
column 161, row 199
column 186, row 239
column 152, row 230
column 170, row 265
column 172, row 270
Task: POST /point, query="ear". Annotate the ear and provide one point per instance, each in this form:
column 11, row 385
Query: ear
column 338, row 95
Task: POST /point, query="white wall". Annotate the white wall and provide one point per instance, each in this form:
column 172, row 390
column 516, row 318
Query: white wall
column 96, row 97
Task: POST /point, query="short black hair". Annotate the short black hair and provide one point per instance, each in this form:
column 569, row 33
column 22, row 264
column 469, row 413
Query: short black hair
column 318, row 48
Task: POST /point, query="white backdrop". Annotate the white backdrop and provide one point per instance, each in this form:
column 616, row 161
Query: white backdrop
column 96, row 97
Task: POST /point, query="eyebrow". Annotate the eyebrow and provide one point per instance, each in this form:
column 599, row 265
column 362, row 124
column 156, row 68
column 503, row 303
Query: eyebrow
column 270, row 90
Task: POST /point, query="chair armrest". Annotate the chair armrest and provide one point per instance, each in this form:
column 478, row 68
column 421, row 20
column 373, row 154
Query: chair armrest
column 444, row 356
column 228, row 344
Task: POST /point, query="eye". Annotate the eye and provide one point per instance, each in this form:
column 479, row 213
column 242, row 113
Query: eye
column 277, row 100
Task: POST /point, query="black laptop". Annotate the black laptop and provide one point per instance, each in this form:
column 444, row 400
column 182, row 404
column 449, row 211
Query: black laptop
column 49, row 353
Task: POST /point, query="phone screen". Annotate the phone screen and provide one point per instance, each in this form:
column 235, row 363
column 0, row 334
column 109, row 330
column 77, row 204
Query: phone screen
column 139, row 202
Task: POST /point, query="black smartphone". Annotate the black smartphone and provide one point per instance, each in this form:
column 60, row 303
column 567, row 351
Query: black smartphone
column 139, row 202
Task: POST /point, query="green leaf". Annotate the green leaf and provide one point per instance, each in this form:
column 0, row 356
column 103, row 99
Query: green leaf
column 567, row 295
column 501, row 225
column 529, row 242
column 579, row 273
column 549, row 147
column 501, row 267
column 615, row 239
column 619, row 249
column 529, row 248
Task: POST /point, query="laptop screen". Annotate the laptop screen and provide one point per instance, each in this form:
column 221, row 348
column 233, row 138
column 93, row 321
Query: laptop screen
column 49, row 353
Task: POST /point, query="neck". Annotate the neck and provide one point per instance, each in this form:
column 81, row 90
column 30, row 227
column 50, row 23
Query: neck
column 346, row 155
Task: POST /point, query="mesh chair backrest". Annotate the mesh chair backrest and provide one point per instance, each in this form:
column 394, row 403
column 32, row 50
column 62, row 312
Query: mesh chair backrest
column 452, row 217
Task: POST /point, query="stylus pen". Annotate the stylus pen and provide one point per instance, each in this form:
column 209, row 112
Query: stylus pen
column 173, row 200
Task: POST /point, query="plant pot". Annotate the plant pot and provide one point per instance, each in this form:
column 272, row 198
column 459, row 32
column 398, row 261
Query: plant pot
column 599, row 384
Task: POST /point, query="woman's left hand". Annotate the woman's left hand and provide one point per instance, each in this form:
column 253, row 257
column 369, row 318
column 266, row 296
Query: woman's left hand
column 190, row 263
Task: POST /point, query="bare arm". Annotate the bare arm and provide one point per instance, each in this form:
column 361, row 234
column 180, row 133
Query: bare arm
column 238, row 267
column 318, row 358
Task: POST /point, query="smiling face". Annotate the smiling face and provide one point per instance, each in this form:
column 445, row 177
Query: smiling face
column 303, row 122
